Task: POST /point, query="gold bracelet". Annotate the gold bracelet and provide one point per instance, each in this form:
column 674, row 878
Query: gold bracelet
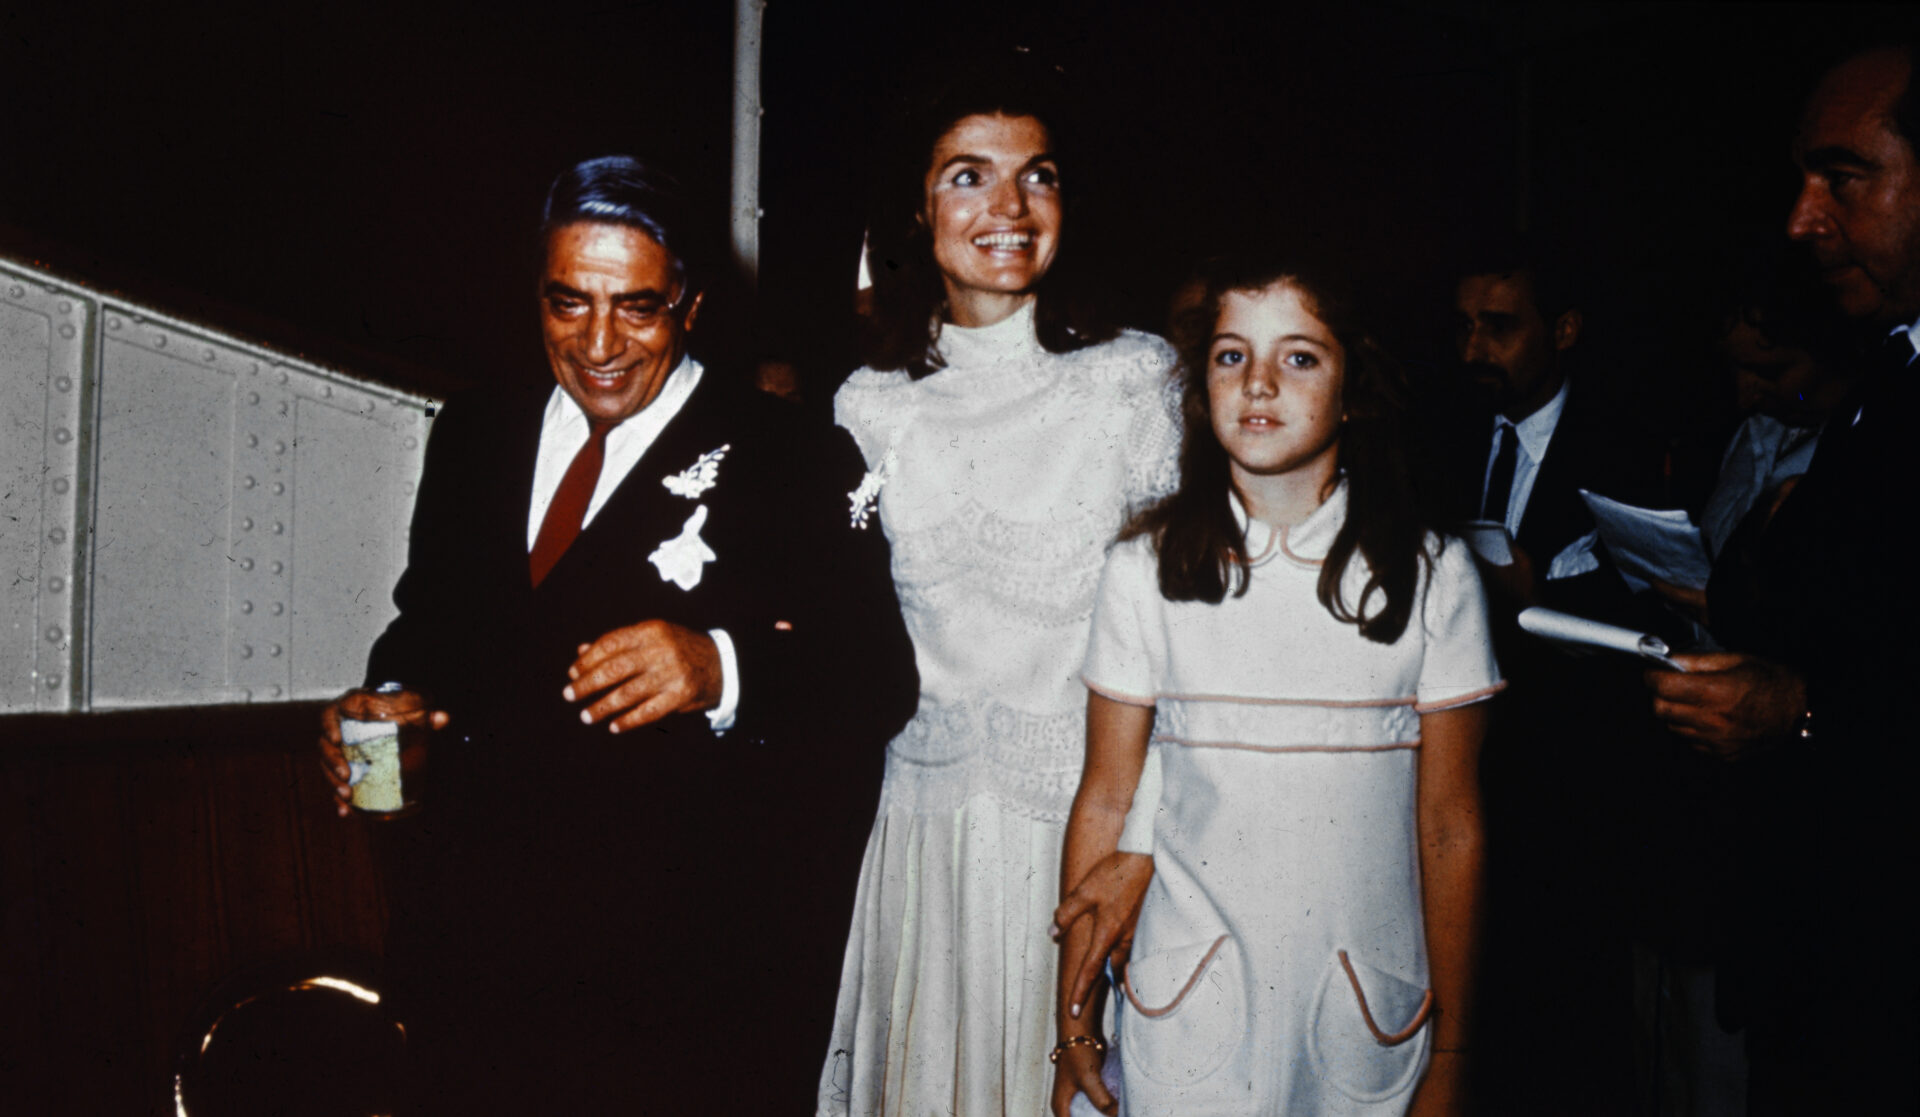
column 1072, row 1042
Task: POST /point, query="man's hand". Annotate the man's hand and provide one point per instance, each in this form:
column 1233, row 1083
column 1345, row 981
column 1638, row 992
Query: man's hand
column 648, row 670
column 365, row 705
column 1110, row 894
column 1727, row 702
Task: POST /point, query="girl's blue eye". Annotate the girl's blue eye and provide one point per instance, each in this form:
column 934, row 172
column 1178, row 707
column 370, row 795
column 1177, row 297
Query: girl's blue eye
column 1302, row 360
column 1228, row 357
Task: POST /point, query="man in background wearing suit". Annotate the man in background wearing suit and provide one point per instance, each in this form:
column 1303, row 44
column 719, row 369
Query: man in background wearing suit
column 1810, row 709
column 1555, row 747
column 664, row 664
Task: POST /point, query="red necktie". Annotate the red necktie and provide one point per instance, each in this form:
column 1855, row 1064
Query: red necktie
column 570, row 500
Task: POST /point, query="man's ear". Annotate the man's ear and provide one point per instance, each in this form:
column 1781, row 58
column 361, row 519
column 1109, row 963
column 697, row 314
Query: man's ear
column 693, row 308
column 1566, row 329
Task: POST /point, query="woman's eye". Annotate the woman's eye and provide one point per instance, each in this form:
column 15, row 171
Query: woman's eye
column 967, row 178
column 1043, row 176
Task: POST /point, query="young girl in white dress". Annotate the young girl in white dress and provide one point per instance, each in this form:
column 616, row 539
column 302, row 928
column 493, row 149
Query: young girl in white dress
column 1008, row 441
column 1299, row 665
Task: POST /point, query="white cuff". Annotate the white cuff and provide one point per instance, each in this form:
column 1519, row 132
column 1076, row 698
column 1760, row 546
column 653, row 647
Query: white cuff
column 721, row 716
column 1137, row 835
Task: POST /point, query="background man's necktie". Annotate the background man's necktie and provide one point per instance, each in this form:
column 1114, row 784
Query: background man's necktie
column 570, row 500
column 1500, row 482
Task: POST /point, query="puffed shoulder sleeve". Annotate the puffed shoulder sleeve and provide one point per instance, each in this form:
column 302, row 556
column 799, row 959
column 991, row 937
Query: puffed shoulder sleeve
column 1153, row 431
column 1126, row 653
column 1458, row 665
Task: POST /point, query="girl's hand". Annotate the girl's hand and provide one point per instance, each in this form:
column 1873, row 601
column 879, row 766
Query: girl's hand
column 1078, row 1072
column 1110, row 894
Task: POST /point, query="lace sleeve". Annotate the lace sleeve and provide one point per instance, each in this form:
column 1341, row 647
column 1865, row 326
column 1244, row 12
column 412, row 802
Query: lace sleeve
column 1153, row 435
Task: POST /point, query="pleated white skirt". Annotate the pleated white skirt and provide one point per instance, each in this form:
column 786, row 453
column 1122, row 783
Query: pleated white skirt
column 946, row 995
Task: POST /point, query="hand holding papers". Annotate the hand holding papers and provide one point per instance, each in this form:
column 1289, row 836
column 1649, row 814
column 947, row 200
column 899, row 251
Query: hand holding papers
column 1650, row 545
column 1569, row 629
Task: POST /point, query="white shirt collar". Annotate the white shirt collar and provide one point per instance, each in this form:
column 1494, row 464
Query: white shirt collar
column 1536, row 430
column 1913, row 333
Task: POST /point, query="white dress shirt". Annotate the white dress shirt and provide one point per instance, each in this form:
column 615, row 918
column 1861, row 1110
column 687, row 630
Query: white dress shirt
column 564, row 431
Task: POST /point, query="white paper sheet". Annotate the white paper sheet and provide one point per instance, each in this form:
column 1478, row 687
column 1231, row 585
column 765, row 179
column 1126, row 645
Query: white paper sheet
column 1569, row 629
column 1649, row 544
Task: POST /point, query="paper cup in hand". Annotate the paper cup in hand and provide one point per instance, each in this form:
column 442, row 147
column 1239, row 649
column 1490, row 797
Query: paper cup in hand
column 386, row 760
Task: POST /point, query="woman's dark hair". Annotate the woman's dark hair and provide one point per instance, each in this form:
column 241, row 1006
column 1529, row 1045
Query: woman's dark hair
column 1202, row 548
column 909, row 298
column 621, row 190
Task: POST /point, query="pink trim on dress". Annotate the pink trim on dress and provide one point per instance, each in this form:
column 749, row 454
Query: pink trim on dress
column 1466, row 699
column 1383, row 1038
column 1327, row 703
column 1126, row 984
column 1114, row 695
column 1243, row 747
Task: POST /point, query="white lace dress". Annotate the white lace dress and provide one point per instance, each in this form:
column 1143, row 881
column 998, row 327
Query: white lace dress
column 1004, row 479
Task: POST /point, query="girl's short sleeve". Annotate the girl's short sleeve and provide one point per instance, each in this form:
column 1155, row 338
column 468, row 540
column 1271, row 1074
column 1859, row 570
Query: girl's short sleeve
column 1458, row 666
column 1126, row 649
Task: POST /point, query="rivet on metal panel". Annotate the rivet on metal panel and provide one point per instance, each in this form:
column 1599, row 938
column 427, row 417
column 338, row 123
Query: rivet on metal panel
column 54, row 634
column 63, row 436
column 246, row 523
column 411, row 442
column 279, row 528
column 253, row 398
column 159, row 341
column 253, row 370
column 66, row 307
column 53, row 682
column 279, row 489
column 276, row 567
column 56, row 584
column 407, row 488
column 247, row 482
column 274, row 651
column 274, row 691
column 66, row 329
column 17, row 291
column 64, row 383
column 279, row 447
column 282, row 377
column 278, row 609
column 57, row 535
column 113, row 323
column 246, row 564
column 209, row 356
column 246, row 651
column 61, row 485
column 138, row 319
column 253, row 440
column 246, row 606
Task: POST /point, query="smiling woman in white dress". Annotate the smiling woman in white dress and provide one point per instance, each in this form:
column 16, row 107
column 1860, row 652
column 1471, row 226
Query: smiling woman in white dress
column 1008, row 438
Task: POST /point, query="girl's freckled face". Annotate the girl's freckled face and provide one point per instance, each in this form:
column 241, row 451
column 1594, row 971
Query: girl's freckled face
column 1275, row 375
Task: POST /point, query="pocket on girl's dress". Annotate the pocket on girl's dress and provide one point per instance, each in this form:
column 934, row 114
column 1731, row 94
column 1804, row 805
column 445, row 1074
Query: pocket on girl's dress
column 1368, row 1036
column 1188, row 1010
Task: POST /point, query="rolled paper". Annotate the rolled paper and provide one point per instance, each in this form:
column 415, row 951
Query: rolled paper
column 1551, row 624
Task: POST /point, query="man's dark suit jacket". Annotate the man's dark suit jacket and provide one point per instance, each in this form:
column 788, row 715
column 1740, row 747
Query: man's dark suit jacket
column 1828, row 838
column 592, row 920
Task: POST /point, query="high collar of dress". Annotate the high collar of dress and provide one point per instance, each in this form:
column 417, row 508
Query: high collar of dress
column 1306, row 542
column 1008, row 341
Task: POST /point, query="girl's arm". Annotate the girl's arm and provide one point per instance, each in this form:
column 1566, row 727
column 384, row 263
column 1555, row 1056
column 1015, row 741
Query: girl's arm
column 1117, row 735
column 1451, row 840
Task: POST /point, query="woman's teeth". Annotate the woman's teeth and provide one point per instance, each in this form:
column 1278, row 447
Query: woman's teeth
column 1003, row 240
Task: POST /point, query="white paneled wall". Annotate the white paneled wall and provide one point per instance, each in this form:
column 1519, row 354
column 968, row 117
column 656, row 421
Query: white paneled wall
column 188, row 519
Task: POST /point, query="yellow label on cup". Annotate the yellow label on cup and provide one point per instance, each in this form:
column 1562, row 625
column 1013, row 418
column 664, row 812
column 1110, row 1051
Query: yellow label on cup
column 373, row 765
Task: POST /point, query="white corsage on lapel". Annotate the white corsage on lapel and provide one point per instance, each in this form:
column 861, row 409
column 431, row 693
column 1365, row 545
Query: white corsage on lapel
column 866, row 498
column 694, row 481
column 682, row 558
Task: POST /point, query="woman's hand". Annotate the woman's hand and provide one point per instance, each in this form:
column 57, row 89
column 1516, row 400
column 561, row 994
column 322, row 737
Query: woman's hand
column 1078, row 1072
column 1109, row 898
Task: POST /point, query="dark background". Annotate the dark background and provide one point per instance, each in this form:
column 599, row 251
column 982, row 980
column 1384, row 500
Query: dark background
column 361, row 189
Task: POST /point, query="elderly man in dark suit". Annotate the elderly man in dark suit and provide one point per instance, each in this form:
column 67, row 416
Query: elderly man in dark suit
column 663, row 663
column 1809, row 709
